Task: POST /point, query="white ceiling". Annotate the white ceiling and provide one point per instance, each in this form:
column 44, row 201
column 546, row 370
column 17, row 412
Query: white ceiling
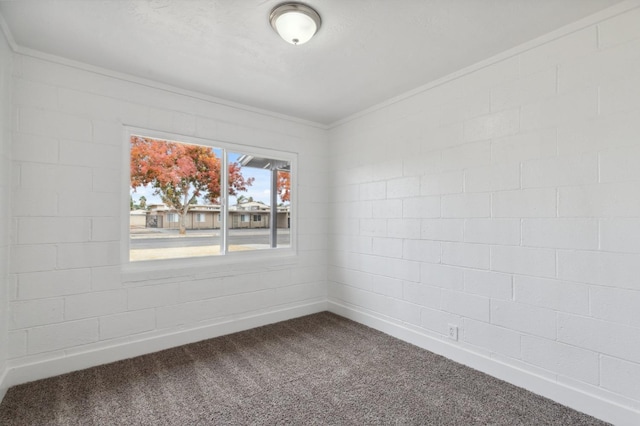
column 367, row 51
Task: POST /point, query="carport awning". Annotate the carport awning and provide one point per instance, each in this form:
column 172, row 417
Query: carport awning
column 263, row 163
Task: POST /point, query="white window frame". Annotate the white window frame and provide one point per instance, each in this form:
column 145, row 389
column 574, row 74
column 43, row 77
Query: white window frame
column 200, row 218
column 245, row 218
column 172, row 218
column 207, row 262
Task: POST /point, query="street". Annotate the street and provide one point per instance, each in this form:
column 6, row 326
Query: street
column 194, row 238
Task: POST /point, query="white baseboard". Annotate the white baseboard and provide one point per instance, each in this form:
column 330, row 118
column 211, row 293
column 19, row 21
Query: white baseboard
column 53, row 367
column 3, row 384
column 596, row 406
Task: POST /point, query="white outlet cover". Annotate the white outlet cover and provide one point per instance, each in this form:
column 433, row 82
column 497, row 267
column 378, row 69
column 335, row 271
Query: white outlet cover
column 453, row 332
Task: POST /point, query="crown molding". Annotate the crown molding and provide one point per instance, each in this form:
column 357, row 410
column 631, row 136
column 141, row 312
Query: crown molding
column 566, row 30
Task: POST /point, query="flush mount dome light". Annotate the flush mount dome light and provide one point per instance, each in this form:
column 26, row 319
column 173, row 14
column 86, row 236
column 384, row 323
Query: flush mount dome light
column 296, row 23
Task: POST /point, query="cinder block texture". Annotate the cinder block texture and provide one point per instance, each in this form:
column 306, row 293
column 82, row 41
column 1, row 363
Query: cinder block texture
column 528, row 208
column 71, row 289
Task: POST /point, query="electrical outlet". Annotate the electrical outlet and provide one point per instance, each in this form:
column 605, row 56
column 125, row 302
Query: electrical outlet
column 453, row 332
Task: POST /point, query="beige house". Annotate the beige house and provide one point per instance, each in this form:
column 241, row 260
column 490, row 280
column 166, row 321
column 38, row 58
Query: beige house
column 137, row 219
column 247, row 215
column 255, row 214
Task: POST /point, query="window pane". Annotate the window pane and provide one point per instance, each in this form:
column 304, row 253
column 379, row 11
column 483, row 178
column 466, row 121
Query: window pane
column 175, row 199
column 250, row 212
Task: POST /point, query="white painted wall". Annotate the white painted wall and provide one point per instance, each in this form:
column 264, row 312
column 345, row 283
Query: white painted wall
column 505, row 201
column 6, row 61
column 74, row 304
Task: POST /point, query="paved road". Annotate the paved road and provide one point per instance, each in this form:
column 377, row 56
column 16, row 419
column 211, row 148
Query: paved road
column 235, row 238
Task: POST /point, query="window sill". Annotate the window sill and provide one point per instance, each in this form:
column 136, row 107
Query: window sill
column 209, row 265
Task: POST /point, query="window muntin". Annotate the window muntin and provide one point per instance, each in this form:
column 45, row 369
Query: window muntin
column 217, row 219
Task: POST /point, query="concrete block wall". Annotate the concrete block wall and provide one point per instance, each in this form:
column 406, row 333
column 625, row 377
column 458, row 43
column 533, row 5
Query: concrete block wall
column 6, row 61
column 70, row 295
column 505, row 201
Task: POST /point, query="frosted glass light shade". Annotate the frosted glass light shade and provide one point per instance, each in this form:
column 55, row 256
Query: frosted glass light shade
column 295, row 22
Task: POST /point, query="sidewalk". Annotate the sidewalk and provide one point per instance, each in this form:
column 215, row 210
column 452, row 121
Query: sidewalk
column 198, row 233
column 172, row 233
column 182, row 252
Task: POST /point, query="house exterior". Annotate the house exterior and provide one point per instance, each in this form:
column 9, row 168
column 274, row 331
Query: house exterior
column 255, row 214
column 137, row 219
column 248, row 215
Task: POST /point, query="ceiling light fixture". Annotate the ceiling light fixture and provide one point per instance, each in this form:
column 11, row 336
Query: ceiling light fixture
column 296, row 23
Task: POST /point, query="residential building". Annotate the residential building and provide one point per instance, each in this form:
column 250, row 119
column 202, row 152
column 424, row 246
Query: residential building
column 246, row 215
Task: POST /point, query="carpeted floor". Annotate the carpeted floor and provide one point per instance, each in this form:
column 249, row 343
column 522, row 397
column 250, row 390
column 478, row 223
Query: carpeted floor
column 319, row 369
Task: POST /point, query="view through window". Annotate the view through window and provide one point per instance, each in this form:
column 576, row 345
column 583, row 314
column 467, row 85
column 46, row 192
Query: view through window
column 189, row 200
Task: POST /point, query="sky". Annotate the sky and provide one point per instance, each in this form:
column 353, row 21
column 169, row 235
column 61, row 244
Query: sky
column 260, row 190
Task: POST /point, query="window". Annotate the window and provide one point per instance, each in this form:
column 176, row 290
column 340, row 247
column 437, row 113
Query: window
column 271, row 197
column 186, row 180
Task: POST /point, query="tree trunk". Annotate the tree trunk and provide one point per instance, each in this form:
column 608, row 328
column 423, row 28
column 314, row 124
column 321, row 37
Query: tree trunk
column 183, row 224
column 185, row 209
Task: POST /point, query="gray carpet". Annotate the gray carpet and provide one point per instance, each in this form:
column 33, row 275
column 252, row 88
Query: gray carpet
column 319, row 369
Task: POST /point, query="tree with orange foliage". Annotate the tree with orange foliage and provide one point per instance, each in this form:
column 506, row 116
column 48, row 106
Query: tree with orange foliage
column 284, row 186
column 181, row 173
